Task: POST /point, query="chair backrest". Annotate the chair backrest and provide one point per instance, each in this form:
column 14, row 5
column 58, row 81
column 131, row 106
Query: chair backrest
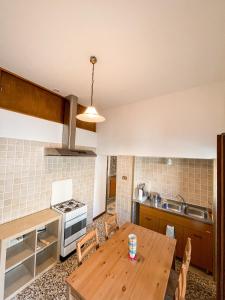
column 182, row 283
column 91, row 240
column 187, row 253
column 111, row 225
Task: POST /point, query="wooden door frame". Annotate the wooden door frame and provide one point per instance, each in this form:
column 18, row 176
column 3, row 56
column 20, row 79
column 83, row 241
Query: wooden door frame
column 220, row 222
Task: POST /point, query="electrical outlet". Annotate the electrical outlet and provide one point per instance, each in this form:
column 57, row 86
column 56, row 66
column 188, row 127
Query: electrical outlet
column 124, row 177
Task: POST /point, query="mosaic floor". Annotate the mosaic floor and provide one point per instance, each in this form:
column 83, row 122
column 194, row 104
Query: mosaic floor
column 51, row 285
column 111, row 208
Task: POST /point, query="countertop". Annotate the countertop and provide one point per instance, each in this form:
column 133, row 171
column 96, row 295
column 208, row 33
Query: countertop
column 27, row 223
column 151, row 204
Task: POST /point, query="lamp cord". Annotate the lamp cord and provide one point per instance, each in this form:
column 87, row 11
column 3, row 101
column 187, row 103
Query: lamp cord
column 92, row 83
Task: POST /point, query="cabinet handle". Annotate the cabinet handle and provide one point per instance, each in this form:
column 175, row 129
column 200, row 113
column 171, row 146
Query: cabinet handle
column 197, row 236
column 147, row 218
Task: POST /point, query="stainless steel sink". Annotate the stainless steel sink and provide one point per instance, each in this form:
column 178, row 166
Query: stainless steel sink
column 185, row 209
column 172, row 205
column 195, row 212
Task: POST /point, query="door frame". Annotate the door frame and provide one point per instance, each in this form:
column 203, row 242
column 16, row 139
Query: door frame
column 220, row 222
column 108, row 179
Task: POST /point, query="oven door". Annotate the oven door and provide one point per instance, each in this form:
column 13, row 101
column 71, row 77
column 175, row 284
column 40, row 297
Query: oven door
column 75, row 228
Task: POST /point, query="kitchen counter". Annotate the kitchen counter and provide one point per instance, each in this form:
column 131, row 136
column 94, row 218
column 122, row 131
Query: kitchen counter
column 150, row 203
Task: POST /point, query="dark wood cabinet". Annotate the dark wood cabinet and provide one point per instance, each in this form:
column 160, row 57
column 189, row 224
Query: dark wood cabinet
column 202, row 250
column 178, row 229
column 112, row 186
column 149, row 222
column 201, row 234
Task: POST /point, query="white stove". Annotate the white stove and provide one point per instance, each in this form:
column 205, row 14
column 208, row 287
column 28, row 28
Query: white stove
column 70, row 209
column 74, row 215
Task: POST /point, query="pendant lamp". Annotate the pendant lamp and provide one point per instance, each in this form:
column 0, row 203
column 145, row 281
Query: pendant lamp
column 90, row 114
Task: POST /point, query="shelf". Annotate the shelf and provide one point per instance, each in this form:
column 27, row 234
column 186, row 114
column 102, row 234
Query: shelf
column 19, row 276
column 17, row 254
column 44, row 265
column 23, row 255
column 46, row 258
column 20, row 251
column 48, row 239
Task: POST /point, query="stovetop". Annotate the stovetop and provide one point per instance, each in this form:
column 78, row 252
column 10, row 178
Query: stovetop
column 68, row 205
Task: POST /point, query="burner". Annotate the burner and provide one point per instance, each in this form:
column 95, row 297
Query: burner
column 67, row 209
column 71, row 203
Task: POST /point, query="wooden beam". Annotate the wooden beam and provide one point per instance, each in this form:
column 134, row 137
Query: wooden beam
column 23, row 96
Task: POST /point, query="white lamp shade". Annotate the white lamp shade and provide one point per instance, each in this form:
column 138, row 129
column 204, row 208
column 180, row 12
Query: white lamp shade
column 90, row 115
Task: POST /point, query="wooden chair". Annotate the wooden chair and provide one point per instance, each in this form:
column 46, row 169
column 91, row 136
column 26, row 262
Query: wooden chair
column 176, row 287
column 187, row 253
column 111, row 225
column 91, row 240
column 182, row 283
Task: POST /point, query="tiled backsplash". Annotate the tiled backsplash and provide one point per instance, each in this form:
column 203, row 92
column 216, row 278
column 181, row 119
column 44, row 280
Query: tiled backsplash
column 26, row 177
column 192, row 178
column 124, row 187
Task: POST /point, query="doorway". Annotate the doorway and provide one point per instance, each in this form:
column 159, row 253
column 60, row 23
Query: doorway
column 111, row 185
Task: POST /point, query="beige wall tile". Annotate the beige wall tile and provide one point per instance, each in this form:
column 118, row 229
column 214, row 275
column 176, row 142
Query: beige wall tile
column 192, row 178
column 26, row 177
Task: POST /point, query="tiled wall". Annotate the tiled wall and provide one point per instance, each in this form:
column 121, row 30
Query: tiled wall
column 26, row 177
column 124, row 187
column 192, row 178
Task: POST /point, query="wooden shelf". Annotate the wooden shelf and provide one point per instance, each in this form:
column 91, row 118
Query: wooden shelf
column 17, row 254
column 18, row 277
column 28, row 223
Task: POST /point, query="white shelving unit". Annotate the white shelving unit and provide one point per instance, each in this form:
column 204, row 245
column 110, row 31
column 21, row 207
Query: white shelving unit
column 19, row 276
column 21, row 251
column 28, row 247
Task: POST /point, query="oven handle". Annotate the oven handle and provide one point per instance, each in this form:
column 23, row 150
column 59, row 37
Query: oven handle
column 75, row 220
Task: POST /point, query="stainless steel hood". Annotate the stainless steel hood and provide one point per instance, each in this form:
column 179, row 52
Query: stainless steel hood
column 69, row 133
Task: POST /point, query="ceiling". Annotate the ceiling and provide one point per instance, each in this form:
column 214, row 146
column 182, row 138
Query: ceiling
column 145, row 48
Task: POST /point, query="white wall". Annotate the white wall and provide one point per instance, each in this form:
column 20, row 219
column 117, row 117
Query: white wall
column 100, row 185
column 20, row 126
column 182, row 124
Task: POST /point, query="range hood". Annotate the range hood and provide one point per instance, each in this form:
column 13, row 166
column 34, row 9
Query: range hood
column 69, row 133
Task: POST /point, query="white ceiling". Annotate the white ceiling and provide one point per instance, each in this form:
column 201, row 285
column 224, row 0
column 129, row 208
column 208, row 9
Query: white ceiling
column 145, row 48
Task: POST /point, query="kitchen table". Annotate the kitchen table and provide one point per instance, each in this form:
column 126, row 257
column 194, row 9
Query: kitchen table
column 110, row 274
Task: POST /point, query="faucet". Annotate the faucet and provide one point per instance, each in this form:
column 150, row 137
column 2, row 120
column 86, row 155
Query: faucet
column 184, row 203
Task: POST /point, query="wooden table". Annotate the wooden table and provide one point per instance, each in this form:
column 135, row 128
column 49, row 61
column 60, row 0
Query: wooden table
column 110, row 274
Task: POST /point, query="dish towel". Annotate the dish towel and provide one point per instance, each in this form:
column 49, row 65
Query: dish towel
column 170, row 232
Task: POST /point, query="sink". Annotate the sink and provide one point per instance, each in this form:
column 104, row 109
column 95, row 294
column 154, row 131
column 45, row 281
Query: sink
column 172, row 205
column 195, row 212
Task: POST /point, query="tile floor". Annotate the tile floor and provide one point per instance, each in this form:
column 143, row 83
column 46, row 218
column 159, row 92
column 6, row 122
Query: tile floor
column 111, row 207
column 51, row 285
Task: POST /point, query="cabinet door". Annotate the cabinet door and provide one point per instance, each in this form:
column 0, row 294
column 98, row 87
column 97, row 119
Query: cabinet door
column 149, row 221
column 201, row 243
column 112, row 186
column 178, row 235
